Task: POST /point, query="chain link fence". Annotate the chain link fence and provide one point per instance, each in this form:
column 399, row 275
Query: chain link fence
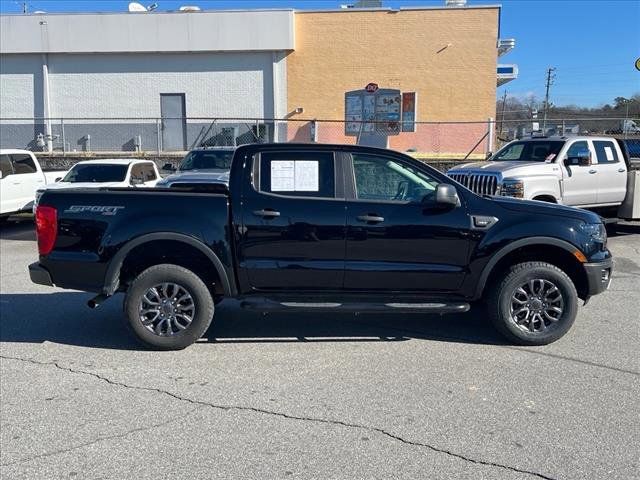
column 427, row 140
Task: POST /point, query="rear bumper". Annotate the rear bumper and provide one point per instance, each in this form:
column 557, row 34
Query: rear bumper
column 598, row 276
column 40, row 275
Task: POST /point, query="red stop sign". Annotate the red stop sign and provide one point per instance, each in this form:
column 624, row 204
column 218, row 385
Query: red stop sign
column 371, row 87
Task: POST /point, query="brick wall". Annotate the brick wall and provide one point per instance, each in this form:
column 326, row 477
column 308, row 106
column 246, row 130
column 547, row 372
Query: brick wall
column 448, row 56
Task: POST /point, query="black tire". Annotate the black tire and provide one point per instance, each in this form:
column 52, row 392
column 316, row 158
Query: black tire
column 201, row 303
column 500, row 301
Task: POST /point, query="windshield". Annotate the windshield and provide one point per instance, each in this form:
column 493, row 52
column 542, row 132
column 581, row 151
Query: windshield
column 98, row 173
column 207, row 160
column 531, row 151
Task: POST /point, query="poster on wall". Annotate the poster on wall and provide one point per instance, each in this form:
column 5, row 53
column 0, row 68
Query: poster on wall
column 388, row 106
column 353, row 112
column 409, row 106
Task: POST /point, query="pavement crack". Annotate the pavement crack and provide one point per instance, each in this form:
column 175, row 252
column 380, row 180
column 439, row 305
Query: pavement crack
column 97, row 440
column 287, row 416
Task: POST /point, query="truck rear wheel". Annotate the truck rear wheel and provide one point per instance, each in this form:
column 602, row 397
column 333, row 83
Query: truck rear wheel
column 534, row 304
column 168, row 307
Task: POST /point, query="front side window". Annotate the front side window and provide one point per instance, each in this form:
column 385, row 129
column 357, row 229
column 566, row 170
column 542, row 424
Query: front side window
column 385, row 179
column 23, row 163
column 529, row 151
column 605, row 151
column 96, row 173
column 578, row 149
column 207, row 160
column 300, row 174
column 5, row 166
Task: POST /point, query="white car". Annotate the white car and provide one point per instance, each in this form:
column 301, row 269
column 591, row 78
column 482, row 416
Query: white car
column 582, row 171
column 20, row 178
column 126, row 172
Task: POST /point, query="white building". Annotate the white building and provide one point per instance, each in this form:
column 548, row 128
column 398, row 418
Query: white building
column 222, row 64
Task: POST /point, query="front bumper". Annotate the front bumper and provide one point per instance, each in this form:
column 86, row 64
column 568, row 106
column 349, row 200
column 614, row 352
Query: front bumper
column 40, row 275
column 598, row 276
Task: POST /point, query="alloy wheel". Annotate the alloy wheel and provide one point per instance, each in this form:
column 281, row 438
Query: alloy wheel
column 536, row 305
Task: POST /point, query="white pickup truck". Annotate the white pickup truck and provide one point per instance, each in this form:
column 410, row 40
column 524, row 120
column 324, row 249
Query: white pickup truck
column 123, row 172
column 582, row 171
column 20, row 178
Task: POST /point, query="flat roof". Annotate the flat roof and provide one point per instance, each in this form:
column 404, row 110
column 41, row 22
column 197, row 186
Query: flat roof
column 251, row 10
column 125, row 32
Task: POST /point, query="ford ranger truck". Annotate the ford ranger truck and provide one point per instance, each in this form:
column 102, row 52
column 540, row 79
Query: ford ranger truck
column 581, row 171
column 304, row 227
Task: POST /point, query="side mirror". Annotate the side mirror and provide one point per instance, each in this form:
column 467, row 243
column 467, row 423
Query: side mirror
column 447, row 195
column 136, row 181
column 169, row 167
column 58, row 179
column 582, row 160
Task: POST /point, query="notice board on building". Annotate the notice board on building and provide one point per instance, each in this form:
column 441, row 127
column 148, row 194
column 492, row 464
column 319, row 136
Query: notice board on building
column 373, row 110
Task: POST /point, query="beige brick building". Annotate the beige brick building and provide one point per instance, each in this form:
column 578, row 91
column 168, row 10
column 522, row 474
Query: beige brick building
column 447, row 55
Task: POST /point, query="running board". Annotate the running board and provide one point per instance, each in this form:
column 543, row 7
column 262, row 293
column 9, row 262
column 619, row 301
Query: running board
column 263, row 304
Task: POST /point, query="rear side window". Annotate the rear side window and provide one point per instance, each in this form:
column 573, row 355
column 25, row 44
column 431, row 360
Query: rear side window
column 5, row 166
column 23, row 163
column 605, row 151
column 299, row 174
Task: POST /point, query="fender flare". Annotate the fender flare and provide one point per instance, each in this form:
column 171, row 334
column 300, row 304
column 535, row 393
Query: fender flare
column 112, row 277
column 504, row 251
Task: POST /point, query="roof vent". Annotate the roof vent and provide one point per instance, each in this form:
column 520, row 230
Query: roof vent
column 455, row 3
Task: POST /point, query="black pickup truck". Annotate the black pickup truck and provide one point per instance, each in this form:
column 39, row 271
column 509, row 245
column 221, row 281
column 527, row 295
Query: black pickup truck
column 332, row 227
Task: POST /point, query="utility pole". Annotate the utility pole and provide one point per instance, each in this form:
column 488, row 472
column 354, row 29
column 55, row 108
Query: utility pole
column 550, row 78
column 504, row 103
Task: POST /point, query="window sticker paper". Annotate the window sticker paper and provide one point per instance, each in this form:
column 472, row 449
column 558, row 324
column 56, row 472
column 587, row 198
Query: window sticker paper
column 609, row 153
column 307, row 178
column 282, row 176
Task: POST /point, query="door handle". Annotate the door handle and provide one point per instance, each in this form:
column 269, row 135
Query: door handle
column 621, row 170
column 371, row 218
column 266, row 213
column 593, row 171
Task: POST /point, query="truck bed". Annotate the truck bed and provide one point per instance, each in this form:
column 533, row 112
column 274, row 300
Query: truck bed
column 95, row 224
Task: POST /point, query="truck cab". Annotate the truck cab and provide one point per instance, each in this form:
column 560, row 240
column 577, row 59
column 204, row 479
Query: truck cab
column 582, row 171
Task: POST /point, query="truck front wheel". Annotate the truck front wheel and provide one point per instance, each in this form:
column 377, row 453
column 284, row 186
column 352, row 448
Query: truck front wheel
column 535, row 303
column 168, row 307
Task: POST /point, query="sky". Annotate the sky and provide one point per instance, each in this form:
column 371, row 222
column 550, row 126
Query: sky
column 593, row 44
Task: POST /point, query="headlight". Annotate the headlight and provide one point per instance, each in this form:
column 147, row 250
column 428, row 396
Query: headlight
column 595, row 231
column 512, row 188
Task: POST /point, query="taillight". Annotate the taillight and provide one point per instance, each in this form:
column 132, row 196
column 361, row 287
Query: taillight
column 46, row 228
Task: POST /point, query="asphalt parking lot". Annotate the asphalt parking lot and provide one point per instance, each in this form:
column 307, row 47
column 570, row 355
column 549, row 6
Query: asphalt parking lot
column 314, row 396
